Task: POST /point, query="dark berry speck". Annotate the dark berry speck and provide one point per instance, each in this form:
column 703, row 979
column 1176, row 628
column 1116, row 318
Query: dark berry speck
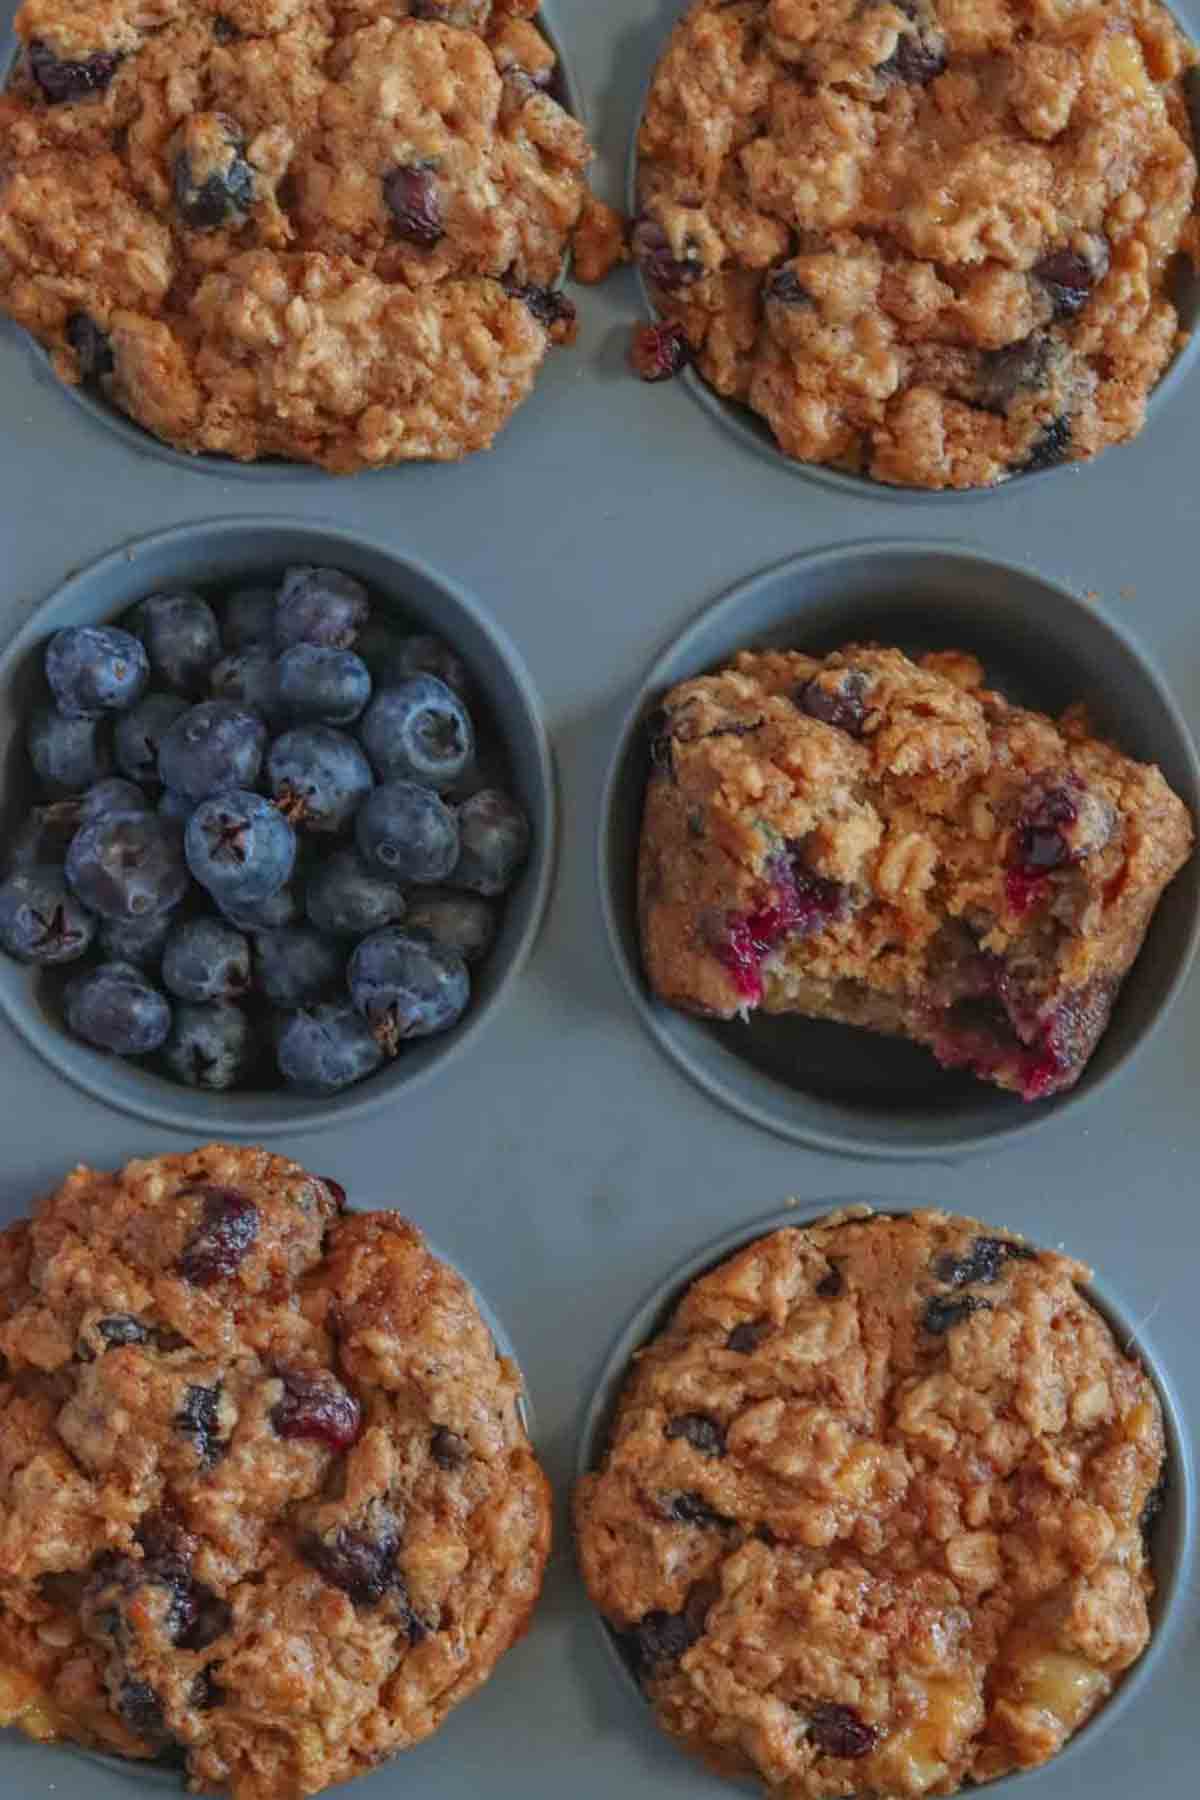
column 659, row 352
column 226, row 1230
column 315, row 1405
column 746, row 1338
column 839, row 1731
column 61, row 79
column 700, row 1431
column 942, row 1314
column 92, row 347
column 983, row 1262
column 412, row 197
column 448, row 1450
column 198, row 1419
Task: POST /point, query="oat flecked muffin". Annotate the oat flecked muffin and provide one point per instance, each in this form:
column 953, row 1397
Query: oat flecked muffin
column 872, row 1516
column 890, row 844
column 267, row 1505
column 291, row 228
column 927, row 240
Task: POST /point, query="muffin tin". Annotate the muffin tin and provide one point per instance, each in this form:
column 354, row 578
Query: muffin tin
column 560, row 1158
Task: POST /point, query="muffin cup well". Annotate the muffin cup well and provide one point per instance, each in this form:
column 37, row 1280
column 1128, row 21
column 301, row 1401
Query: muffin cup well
column 1173, row 1544
column 227, row 550
column 847, row 1090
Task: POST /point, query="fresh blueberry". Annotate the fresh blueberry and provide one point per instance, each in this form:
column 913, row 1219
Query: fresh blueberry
column 92, row 347
column 462, row 922
column 128, row 865
column 213, row 1046
column 138, row 941
column 95, row 669
column 69, row 754
column 212, row 746
column 406, row 833
column 40, row 920
column 248, row 617
column 297, row 966
column 115, row 1008
column 113, row 794
column 206, row 959
column 251, row 678
column 317, row 685
column 323, row 1048
column 177, row 807
column 418, row 731
column 319, row 606
column 424, row 654
column 347, row 901
column 44, row 835
column 318, row 777
column 494, row 834
column 239, row 847
column 181, row 638
column 63, row 79
column 411, row 194
column 139, row 732
column 407, row 986
column 212, row 182
column 284, row 907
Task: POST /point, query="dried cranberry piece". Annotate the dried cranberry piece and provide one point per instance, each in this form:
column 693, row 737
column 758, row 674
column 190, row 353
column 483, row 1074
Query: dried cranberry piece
column 982, row 1263
column 1042, row 844
column 831, row 1285
column 942, row 1314
column 691, row 1509
column 198, row 1419
column 1004, row 375
column 337, row 1192
column 784, row 287
column 228, row 1227
column 663, row 1637
column 1068, row 279
column 412, row 197
column 142, row 1710
column 652, row 251
column 448, row 1450
column 91, row 346
column 701, row 1432
column 839, row 1731
column 745, row 1338
column 64, row 80
column 1050, row 448
column 549, row 306
column 660, row 352
column 223, row 196
column 840, row 702
column 361, row 1564
column 316, row 1405
column 211, row 1618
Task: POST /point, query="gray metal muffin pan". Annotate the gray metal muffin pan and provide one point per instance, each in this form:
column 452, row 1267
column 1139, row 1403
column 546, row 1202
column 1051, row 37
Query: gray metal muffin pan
column 561, row 1159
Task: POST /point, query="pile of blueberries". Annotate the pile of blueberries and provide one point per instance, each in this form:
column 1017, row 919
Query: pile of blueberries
column 269, row 835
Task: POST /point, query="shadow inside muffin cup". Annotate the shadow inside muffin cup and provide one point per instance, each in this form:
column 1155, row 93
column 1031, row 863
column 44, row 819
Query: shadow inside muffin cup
column 753, row 432
column 234, row 552
column 834, row 1086
column 1171, row 1537
column 92, row 401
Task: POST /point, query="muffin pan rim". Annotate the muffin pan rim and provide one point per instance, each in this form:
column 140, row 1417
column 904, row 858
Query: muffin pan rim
column 260, row 1113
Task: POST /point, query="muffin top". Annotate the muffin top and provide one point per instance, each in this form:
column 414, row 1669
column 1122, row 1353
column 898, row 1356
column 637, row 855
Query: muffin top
column 871, row 1515
column 927, row 240
column 291, row 228
column 266, row 1499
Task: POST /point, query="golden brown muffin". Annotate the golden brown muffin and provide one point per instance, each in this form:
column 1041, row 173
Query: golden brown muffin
column 870, row 1518
column 266, row 1498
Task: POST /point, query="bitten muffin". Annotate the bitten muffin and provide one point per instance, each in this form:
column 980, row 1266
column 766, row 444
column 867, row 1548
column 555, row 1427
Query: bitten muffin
column 872, row 1516
column 291, row 228
column 891, row 844
column 928, row 241
column 267, row 1504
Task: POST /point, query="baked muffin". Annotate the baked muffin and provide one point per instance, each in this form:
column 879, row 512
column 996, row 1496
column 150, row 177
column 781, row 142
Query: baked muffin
column 871, row 1517
column 267, row 1504
column 288, row 228
column 892, row 845
column 928, row 241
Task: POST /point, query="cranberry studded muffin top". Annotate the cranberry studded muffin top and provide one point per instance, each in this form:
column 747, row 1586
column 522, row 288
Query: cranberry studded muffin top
column 326, row 230
column 927, row 240
column 266, row 1502
column 890, row 844
column 871, row 1518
